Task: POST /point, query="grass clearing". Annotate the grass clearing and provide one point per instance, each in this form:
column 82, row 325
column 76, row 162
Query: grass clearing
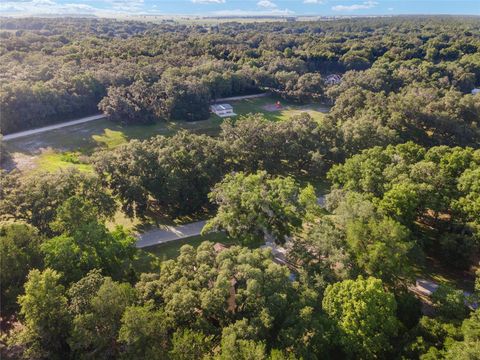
column 51, row 161
column 287, row 110
column 171, row 249
column 121, row 219
column 45, row 151
column 433, row 268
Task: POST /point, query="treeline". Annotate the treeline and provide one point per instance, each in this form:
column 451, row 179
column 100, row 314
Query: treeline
column 370, row 110
column 173, row 175
column 57, row 69
column 79, row 292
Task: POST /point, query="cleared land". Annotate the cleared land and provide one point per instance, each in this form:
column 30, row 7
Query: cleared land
column 171, row 249
column 71, row 146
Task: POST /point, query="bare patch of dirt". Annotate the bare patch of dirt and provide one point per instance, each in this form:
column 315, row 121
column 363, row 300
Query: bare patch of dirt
column 21, row 162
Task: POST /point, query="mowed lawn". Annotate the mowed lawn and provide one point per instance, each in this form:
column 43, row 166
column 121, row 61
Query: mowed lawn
column 55, row 149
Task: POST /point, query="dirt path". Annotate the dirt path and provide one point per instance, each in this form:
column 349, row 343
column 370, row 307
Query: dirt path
column 52, row 127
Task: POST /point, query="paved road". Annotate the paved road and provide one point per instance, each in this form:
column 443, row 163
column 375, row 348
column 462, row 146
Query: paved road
column 172, row 233
column 169, row 233
column 52, row 127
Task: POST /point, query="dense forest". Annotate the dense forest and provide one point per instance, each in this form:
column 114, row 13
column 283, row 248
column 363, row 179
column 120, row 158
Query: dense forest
column 400, row 151
column 141, row 72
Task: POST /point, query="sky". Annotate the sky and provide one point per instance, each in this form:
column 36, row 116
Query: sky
column 118, row 8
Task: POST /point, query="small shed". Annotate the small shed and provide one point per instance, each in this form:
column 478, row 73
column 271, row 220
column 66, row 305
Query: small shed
column 222, row 110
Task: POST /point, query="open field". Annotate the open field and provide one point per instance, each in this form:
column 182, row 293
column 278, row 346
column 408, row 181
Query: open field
column 46, row 151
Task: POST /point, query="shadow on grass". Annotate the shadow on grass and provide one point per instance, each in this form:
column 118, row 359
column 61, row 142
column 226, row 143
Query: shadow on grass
column 171, row 250
column 434, row 270
column 432, row 267
column 89, row 137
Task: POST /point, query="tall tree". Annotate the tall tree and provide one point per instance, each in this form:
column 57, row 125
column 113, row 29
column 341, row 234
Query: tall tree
column 381, row 248
column 176, row 172
column 144, row 332
column 95, row 331
column 45, row 314
column 256, row 205
column 19, row 253
column 129, row 105
column 364, row 314
column 35, row 198
column 86, row 244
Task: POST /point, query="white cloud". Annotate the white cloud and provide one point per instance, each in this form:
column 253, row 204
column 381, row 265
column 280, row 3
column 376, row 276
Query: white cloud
column 125, row 5
column 47, row 7
column 208, row 1
column 362, row 6
column 314, row 1
column 266, row 4
column 239, row 12
column 51, row 7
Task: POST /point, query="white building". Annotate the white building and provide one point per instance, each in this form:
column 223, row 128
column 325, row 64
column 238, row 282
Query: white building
column 475, row 91
column 333, row 79
column 222, row 110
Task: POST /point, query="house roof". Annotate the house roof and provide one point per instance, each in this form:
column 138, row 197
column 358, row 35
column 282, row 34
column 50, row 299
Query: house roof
column 221, row 107
column 333, row 78
column 218, row 247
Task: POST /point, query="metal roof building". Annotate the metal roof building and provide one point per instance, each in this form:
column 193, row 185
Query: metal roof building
column 222, row 110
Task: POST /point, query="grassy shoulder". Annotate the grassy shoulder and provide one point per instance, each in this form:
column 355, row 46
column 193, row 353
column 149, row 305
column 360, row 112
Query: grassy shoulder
column 434, row 270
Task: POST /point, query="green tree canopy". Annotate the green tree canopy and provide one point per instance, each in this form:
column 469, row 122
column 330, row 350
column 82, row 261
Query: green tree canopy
column 364, row 314
column 36, row 198
column 86, row 244
column 95, row 331
column 46, row 319
column 253, row 206
column 19, row 253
